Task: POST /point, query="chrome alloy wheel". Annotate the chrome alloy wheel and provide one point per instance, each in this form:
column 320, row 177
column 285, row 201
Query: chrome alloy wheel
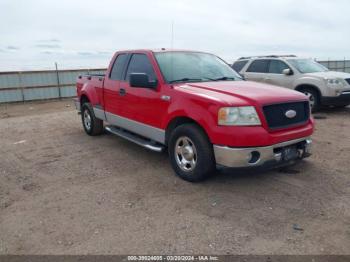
column 87, row 119
column 185, row 154
column 310, row 97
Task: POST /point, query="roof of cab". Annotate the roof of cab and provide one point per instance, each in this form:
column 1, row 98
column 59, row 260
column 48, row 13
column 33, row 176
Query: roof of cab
column 159, row 50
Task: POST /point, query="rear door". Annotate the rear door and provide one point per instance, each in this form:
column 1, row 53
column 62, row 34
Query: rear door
column 275, row 74
column 112, row 84
column 257, row 70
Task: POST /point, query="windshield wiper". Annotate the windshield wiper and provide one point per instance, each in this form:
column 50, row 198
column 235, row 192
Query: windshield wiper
column 185, row 80
column 223, row 78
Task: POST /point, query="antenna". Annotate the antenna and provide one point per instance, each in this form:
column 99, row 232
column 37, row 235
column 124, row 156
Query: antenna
column 172, row 34
column 171, row 53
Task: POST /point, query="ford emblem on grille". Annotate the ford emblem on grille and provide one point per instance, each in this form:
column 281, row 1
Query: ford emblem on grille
column 290, row 113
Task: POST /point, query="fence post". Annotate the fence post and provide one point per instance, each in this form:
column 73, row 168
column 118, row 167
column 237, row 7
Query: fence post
column 21, row 84
column 58, row 81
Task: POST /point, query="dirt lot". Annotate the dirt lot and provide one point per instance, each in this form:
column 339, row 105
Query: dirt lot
column 63, row 192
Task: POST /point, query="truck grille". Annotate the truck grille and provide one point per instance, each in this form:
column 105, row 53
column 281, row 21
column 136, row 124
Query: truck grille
column 348, row 80
column 276, row 114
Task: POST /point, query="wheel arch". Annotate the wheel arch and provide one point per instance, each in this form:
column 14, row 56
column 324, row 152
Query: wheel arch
column 303, row 86
column 180, row 120
column 83, row 99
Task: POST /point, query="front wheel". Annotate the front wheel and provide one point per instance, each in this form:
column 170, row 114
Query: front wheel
column 191, row 153
column 92, row 125
column 314, row 98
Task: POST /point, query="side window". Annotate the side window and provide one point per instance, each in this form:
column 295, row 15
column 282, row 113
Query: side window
column 139, row 63
column 238, row 65
column 259, row 66
column 277, row 66
column 118, row 67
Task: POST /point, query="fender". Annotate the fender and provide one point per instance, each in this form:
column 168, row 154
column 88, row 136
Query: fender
column 205, row 116
column 90, row 91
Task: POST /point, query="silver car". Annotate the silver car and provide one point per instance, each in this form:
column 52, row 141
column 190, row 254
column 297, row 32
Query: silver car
column 323, row 87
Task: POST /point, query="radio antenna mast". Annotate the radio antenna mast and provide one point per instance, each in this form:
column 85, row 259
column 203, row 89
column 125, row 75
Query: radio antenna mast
column 171, row 54
column 172, row 34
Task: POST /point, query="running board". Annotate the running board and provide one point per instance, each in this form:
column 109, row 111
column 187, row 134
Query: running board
column 154, row 146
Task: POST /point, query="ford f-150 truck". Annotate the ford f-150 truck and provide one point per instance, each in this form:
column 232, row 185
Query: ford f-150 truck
column 198, row 108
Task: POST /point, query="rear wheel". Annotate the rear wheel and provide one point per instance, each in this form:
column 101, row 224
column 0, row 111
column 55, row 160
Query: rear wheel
column 92, row 125
column 313, row 96
column 191, row 153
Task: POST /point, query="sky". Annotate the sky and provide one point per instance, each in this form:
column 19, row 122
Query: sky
column 84, row 34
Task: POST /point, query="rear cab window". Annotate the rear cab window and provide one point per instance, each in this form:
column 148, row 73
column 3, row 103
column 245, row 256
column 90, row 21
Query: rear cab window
column 118, row 67
column 259, row 66
column 238, row 65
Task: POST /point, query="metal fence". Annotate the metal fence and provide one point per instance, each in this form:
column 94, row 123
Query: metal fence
column 37, row 85
column 337, row 65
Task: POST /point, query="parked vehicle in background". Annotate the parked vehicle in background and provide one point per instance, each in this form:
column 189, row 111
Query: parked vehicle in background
column 198, row 108
column 321, row 86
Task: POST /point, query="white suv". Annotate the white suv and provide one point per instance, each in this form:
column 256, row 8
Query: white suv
column 323, row 87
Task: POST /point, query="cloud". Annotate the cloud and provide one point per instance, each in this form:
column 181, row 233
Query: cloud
column 49, row 46
column 47, row 52
column 85, row 53
column 12, row 48
column 230, row 29
column 104, row 53
column 52, row 40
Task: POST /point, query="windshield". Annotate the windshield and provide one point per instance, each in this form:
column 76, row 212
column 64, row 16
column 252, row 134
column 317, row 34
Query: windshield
column 194, row 66
column 307, row 65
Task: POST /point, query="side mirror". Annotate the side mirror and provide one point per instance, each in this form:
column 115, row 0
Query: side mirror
column 141, row 80
column 287, row 72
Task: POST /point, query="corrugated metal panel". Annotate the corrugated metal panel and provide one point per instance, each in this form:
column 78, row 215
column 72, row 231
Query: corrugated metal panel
column 39, row 79
column 68, row 77
column 10, row 80
column 40, row 93
column 337, row 65
column 40, row 84
column 68, row 91
column 10, row 96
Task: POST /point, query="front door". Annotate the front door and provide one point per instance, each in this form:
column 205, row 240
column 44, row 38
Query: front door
column 275, row 74
column 143, row 108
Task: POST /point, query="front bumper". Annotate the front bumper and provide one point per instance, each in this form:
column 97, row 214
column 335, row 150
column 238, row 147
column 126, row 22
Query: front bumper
column 258, row 156
column 341, row 100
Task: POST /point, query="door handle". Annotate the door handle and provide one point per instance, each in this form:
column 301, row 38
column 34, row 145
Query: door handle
column 122, row 91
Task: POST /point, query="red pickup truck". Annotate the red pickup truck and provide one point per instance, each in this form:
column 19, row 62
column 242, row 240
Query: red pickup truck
column 198, row 108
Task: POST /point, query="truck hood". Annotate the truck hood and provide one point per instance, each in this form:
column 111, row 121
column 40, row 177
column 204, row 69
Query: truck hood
column 330, row 74
column 243, row 92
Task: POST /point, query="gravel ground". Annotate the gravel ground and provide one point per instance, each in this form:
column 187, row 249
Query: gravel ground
column 63, row 192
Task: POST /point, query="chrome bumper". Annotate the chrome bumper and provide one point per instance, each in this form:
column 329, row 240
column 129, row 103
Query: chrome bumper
column 257, row 156
column 77, row 104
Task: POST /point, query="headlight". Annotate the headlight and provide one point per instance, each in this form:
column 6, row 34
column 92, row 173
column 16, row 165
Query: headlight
column 238, row 116
column 334, row 82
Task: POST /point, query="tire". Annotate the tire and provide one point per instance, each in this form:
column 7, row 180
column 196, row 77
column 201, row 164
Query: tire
column 92, row 125
column 191, row 153
column 314, row 98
